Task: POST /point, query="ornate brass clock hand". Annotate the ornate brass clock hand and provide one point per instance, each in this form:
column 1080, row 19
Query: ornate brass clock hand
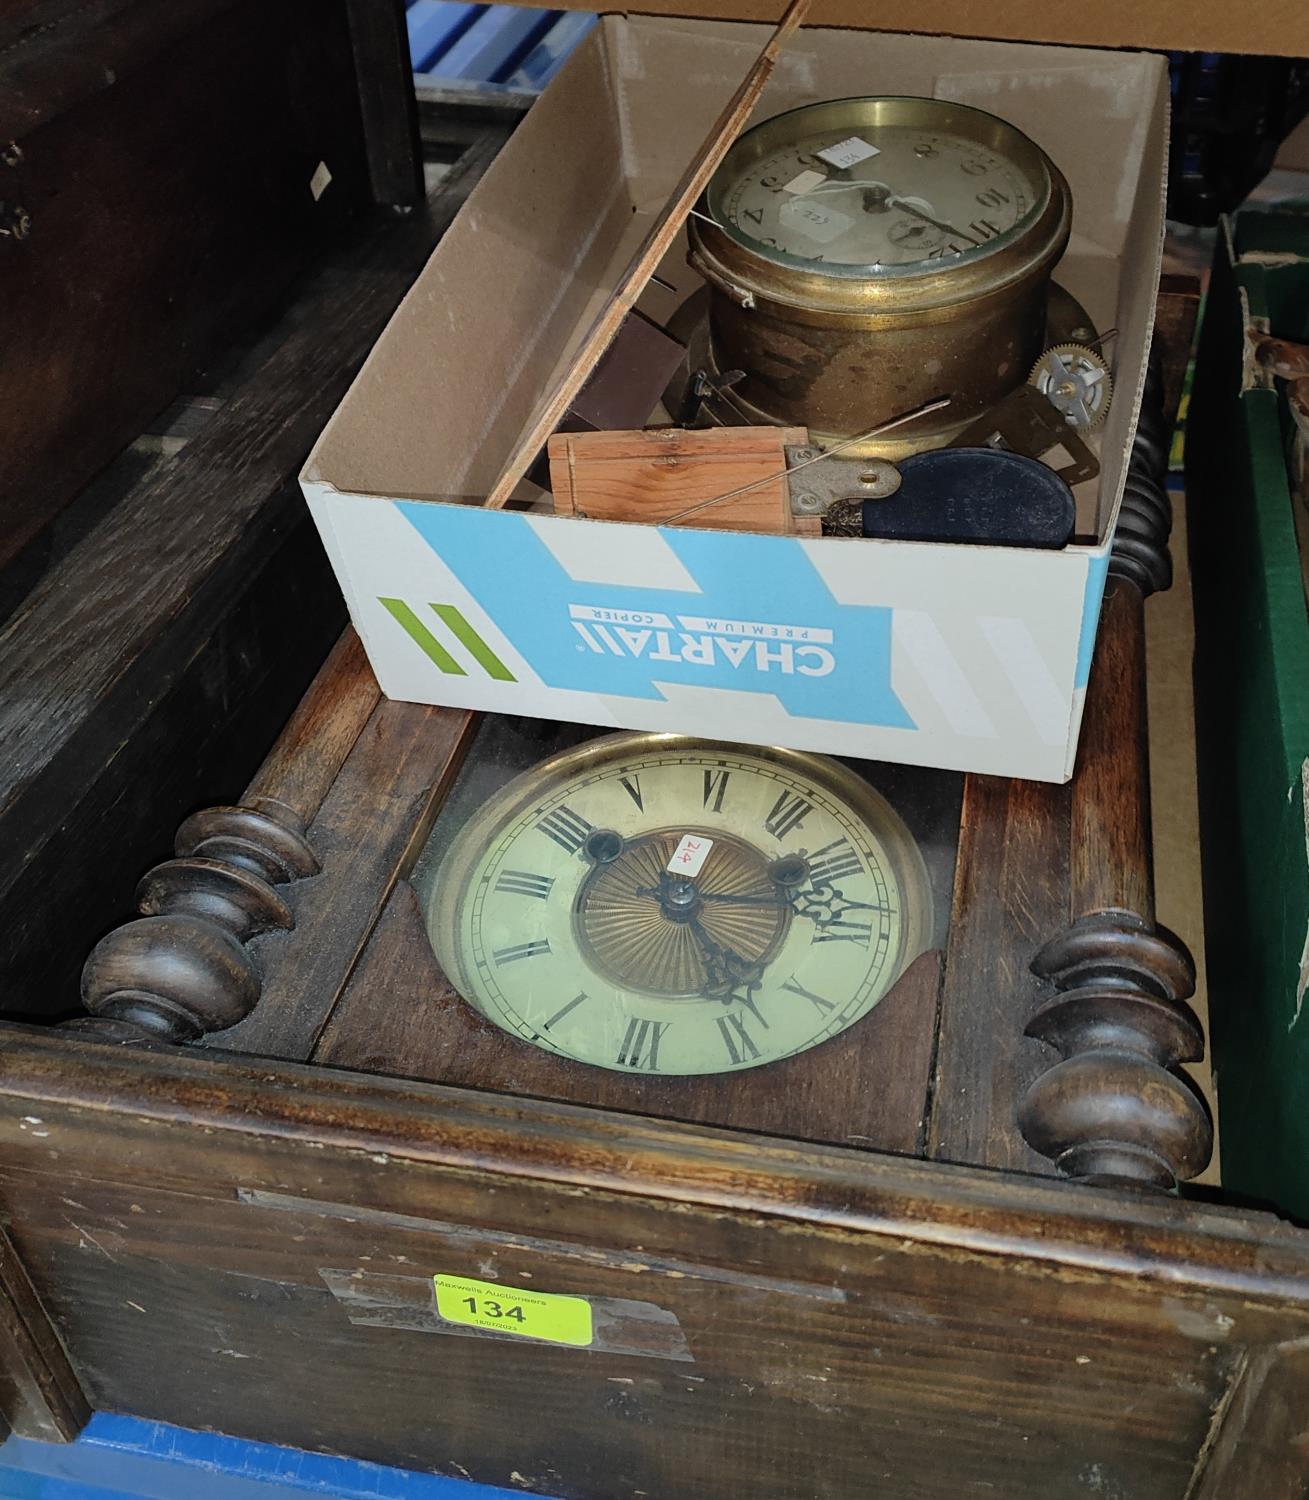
column 725, row 968
column 827, row 905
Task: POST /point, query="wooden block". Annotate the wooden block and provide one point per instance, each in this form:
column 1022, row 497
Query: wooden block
column 655, row 474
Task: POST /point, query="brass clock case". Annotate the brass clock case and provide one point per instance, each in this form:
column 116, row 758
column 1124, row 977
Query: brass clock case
column 842, row 348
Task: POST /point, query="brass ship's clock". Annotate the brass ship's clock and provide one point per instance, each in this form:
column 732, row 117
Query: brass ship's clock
column 867, row 255
column 664, row 905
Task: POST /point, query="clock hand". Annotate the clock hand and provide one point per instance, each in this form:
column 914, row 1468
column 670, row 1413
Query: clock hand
column 724, row 898
column 727, row 898
column 725, row 969
column 878, row 198
column 906, row 207
column 821, row 905
column 827, row 905
column 660, row 893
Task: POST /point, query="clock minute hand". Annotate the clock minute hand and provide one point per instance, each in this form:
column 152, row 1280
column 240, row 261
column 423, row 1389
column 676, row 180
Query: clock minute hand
column 722, row 897
column 909, row 208
column 726, row 898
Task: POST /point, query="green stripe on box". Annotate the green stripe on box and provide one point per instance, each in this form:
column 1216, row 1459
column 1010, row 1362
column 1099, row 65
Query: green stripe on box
column 473, row 643
column 422, row 636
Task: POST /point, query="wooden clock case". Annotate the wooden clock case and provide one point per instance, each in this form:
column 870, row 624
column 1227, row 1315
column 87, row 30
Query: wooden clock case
column 942, row 1262
column 226, row 1189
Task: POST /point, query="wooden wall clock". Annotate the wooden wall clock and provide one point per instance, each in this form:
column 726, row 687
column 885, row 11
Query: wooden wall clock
column 500, row 904
column 855, row 1142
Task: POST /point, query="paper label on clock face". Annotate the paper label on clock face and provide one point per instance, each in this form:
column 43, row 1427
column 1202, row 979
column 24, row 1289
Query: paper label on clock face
column 820, row 224
column 848, row 153
column 805, row 182
column 508, row 1309
column 689, row 856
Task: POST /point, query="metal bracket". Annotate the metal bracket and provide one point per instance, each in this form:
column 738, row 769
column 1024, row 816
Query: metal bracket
column 1027, row 422
column 828, row 481
column 707, row 402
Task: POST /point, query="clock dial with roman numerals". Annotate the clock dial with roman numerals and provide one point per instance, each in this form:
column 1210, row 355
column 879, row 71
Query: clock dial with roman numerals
column 663, row 905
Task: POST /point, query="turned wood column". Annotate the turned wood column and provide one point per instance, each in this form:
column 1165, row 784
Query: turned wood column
column 1115, row 1107
column 182, row 969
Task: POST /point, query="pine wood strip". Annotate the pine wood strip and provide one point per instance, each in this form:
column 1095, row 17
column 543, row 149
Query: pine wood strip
column 655, row 474
column 646, row 260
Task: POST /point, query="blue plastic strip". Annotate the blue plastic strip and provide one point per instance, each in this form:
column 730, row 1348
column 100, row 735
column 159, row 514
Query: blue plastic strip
column 435, row 26
column 493, row 45
column 1096, row 572
column 552, row 51
column 122, row 1458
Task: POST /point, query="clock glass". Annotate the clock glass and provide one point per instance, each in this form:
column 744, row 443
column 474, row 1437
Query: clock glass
column 664, row 905
column 882, row 186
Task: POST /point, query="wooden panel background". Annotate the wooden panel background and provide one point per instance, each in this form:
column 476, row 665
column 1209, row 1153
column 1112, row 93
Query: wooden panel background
column 168, row 211
column 199, row 605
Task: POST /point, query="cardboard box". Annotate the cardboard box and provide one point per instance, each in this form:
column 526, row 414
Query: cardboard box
column 1278, row 27
column 963, row 657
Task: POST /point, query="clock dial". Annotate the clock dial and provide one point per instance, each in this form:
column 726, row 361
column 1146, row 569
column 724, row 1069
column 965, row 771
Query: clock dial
column 662, row 905
column 854, row 189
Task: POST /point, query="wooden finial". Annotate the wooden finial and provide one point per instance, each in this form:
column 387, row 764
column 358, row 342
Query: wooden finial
column 181, row 969
column 1116, row 1109
column 1145, row 518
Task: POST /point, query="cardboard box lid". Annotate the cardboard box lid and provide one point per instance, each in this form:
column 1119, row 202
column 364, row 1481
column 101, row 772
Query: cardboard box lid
column 1280, row 27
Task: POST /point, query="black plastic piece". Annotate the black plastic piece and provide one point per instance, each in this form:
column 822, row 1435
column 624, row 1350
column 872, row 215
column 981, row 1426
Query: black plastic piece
column 984, row 496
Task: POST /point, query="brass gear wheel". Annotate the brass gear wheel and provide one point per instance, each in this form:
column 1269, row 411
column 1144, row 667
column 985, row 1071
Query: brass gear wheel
column 1076, row 381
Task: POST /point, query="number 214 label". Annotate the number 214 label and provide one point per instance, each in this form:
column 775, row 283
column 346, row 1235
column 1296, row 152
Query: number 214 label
column 510, row 1310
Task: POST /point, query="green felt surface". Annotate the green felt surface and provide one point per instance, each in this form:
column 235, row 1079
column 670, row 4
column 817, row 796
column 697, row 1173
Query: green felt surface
column 1252, row 719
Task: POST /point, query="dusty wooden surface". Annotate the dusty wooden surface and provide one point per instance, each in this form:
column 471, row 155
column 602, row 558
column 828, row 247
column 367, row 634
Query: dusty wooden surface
column 1010, row 896
column 846, row 1315
column 40, row 1394
column 143, row 185
column 400, row 1016
column 199, row 605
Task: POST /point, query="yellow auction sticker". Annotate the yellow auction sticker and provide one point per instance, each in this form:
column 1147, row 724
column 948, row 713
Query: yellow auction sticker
column 509, row 1309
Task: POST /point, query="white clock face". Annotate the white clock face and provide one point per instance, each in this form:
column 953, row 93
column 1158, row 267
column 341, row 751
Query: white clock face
column 664, row 906
column 880, row 197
